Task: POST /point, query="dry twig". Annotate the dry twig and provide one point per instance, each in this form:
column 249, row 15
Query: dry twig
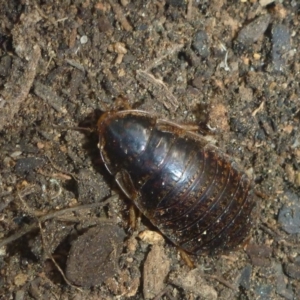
column 51, row 215
column 189, row 10
column 17, row 88
column 223, row 281
column 16, row 92
column 145, row 77
column 49, row 254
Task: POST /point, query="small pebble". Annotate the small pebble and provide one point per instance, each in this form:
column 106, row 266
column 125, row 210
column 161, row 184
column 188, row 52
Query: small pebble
column 156, row 269
column 293, row 269
column 263, row 291
column 254, row 30
column 83, row 39
column 245, row 278
column 289, row 214
column 16, row 153
column 193, row 282
column 94, row 255
column 282, row 288
column 151, row 237
column 201, row 43
column 27, row 165
column 281, row 46
column 19, row 295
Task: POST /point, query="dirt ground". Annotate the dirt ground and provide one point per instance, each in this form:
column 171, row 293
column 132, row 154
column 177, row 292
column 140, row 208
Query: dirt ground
column 232, row 67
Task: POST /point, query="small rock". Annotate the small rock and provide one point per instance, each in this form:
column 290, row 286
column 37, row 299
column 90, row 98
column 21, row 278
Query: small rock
column 15, row 154
column 151, row 237
column 156, row 269
column 94, row 256
column 254, row 30
column 293, row 269
column 19, row 295
column 281, row 287
column 294, row 3
column 5, row 65
column 125, row 284
column 201, row 43
column 83, row 39
column 105, row 25
column 263, row 291
column 27, row 165
column 20, row 279
column 198, row 82
column 244, row 280
column 259, row 254
column 193, row 282
column 281, row 46
column 289, row 214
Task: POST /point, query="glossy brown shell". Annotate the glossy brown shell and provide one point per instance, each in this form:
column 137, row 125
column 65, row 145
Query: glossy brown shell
column 189, row 189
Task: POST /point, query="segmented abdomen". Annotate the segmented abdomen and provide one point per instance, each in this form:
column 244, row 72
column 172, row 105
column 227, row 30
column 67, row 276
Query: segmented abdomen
column 187, row 188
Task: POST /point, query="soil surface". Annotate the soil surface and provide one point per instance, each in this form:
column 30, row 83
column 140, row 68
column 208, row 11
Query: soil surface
column 230, row 67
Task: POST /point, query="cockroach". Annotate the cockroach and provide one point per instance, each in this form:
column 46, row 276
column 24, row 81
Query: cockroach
column 193, row 192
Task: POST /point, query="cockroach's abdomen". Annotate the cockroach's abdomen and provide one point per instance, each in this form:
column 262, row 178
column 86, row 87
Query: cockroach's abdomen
column 194, row 193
